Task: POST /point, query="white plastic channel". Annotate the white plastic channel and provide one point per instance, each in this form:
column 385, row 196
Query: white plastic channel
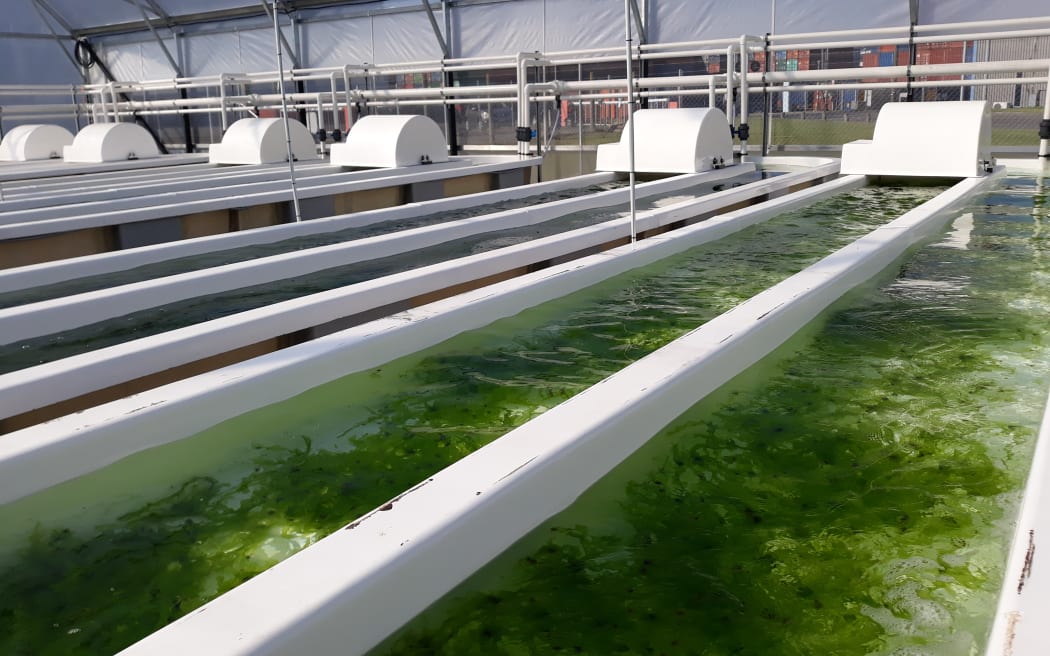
column 52, row 168
column 41, row 456
column 43, row 317
column 115, row 198
column 98, row 180
column 49, row 273
column 76, row 192
column 1020, row 627
column 353, row 588
column 191, row 203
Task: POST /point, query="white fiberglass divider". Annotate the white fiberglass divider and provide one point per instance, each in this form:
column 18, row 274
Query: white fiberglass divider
column 44, row 317
column 53, row 168
column 94, row 180
column 244, row 193
column 351, row 589
column 1037, row 165
column 49, row 273
column 44, row 455
column 33, row 198
column 1019, row 628
column 113, row 198
column 354, row 181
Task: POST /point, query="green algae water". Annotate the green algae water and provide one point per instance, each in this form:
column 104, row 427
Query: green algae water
column 854, row 494
column 169, row 529
column 152, row 321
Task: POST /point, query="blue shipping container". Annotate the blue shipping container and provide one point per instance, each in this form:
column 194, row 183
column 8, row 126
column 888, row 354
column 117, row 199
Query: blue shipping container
column 886, row 58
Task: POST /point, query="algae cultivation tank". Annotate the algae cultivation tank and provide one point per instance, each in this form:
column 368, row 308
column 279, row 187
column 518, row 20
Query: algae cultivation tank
column 851, row 494
column 265, row 488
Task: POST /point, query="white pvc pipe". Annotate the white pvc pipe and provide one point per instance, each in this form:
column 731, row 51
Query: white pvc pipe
column 630, row 115
column 1044, row 144
column 730, row 53
column 222, row 102
column 335, row 100
column 857, row 43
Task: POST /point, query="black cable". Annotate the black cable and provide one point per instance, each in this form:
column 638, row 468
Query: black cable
column 87, row 57
column 84, row 53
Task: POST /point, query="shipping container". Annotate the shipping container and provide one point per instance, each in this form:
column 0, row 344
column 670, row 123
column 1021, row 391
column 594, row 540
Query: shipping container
column 842, row 58
column 886, row 58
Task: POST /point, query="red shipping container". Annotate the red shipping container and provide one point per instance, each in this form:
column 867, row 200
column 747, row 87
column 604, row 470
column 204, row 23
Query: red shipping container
column 902, row 57
column 803, row 64
column 870, row 60
column 887, row 48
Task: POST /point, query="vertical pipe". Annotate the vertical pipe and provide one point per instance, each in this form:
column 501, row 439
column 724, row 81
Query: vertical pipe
column 76, row 107
column 113, row 99
column 711, row 96
column 1044, row 126
column 187, row 128
column 284, row 111
column 335, row 101
column 451, row 133
column 730, row 58
column 222, row 98
column 745, row 106
column 767, row 105
column 579, row 119
column 630, row 116
column 349, row 99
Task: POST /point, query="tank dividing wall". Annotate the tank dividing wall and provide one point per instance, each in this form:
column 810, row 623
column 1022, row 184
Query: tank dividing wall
column 514, row 395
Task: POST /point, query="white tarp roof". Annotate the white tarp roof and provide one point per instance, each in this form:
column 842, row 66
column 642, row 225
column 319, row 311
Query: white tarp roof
column 232, row 35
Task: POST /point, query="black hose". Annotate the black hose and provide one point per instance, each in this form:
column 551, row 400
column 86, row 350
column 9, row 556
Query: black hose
column 84, row 53
column 87, row 57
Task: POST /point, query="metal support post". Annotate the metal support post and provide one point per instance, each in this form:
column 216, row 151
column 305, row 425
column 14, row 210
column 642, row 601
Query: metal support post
column 284, row 112
column 630, row 123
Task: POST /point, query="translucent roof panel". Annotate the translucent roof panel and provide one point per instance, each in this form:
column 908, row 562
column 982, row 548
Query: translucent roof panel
column 20, row 16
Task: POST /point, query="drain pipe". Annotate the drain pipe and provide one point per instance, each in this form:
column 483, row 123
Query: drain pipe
column 353, row 96
column 222, row 101
column 630, row 116
column 335, row 105
column 730, row 56
column 711, row 92
column 554, row 86
column 284, row 111
column 113, row 98
column 743, row 131
column 1044, row 125
column 524, row 130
